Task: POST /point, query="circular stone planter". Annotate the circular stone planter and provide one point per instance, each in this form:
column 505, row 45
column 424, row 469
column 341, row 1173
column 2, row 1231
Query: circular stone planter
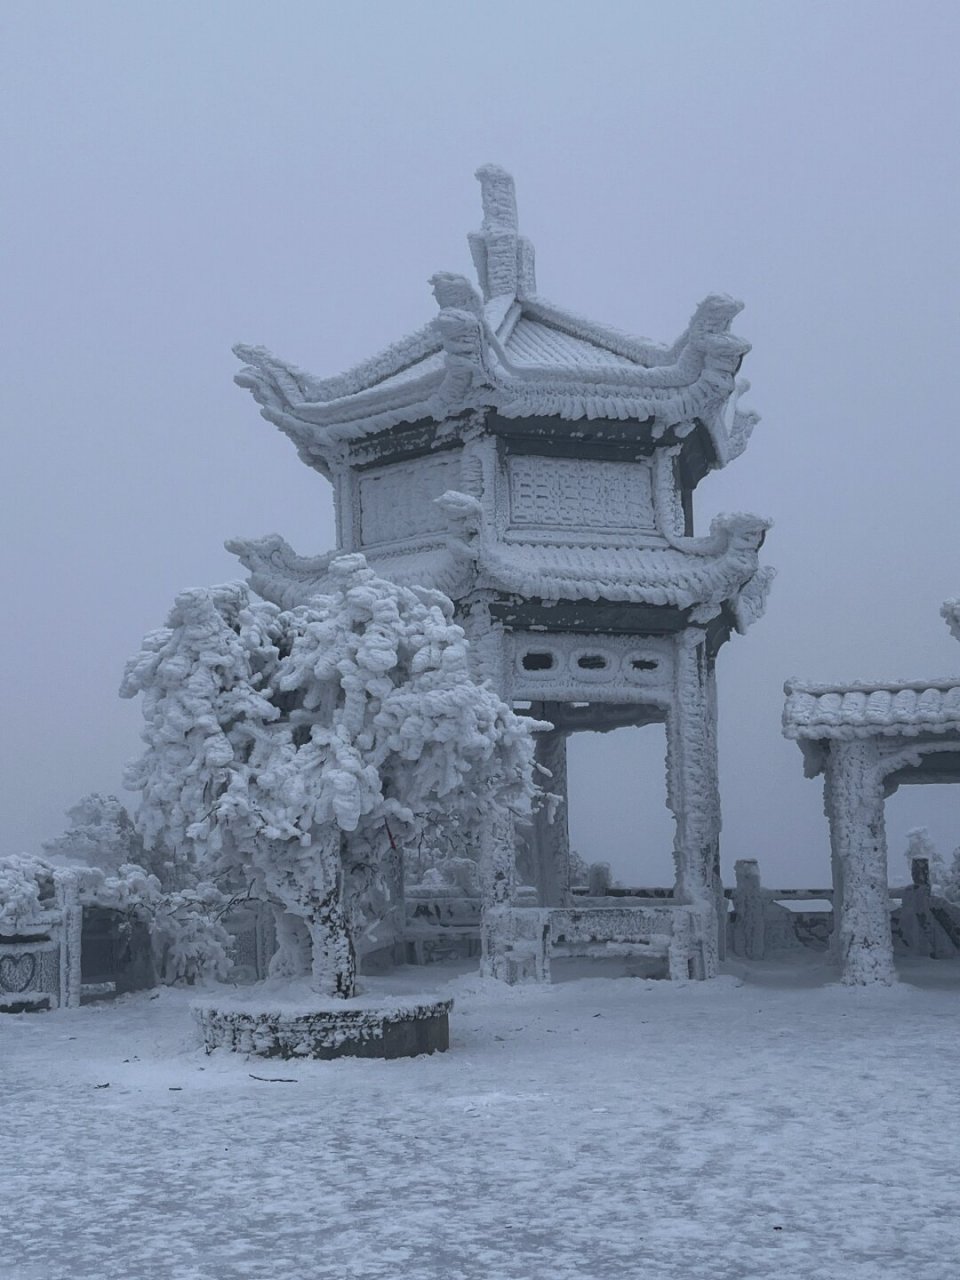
column 365, row 1027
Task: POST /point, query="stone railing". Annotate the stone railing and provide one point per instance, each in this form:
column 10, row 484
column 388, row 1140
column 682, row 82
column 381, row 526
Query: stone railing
column 441, row 927
column 760, row 924
column 519, row 942
column 40, row 957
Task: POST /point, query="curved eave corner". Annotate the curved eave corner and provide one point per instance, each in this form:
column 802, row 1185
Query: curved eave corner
column 703, row 574
column 475, row 376
column 750, row 603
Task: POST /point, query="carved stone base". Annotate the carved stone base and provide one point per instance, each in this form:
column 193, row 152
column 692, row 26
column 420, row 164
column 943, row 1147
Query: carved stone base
column 396, row 1029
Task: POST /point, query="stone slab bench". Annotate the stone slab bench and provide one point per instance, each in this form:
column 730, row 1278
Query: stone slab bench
column 520, row 941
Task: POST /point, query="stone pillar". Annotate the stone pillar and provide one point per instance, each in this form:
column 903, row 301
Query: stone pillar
column 516, row 944
column 550, row 837
column 693, row 791
column 487, row 656
column 67, row 896
column 853, row 799
column 514, row 941
column 713, row 769
column 749, row 933
column 498, row 862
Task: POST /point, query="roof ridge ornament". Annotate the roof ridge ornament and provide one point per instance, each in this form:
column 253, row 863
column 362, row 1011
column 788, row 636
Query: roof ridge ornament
column 950, row 612
column 455, row 291
column 504, row 259
column 498, row 195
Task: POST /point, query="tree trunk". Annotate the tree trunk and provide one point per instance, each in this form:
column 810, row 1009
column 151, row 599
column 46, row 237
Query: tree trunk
column 334, row 957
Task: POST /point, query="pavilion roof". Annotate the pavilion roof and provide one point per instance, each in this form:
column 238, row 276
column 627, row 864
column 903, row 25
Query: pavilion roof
column 722, row 571
column 864, row 709
column 502, row 346
column 870, row 708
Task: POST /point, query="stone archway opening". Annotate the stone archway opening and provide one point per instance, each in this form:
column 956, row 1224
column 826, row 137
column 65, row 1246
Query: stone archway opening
column 909, row 807
column 616, row 786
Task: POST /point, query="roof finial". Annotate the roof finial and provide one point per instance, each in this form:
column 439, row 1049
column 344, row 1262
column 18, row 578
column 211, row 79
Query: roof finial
column 503, row 258
column 499, row 197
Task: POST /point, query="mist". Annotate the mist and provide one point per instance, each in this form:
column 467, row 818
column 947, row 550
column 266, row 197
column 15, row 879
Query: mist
column 181, row 177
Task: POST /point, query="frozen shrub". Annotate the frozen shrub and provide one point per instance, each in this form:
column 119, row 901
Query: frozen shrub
column 189, row 942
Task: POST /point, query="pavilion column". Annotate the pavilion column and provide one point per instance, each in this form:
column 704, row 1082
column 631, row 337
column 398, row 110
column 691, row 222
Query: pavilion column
column 498, row 862
column 67, row 891
column 487, row 654
column 853, row 798
column 550, row 840
column 693, row 792
column 513, row 943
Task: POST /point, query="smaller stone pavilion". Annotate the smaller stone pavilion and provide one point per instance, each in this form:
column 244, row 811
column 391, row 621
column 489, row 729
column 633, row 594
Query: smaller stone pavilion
column 868, row 739
column 540, row 469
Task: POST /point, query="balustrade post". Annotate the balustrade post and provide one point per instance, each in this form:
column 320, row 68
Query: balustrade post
column 748, row 902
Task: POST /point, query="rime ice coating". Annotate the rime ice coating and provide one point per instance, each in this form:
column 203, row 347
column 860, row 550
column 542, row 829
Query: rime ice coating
column 298, row 748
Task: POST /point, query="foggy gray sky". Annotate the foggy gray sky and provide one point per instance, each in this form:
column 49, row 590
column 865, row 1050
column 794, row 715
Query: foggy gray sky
column 181, row 176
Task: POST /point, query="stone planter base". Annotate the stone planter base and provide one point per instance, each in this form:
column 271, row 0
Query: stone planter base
column 28, row 1002
column 340, row 1029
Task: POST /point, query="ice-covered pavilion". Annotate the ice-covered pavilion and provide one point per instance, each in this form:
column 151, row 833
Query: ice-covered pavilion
column 540, row 470
column 868, row 738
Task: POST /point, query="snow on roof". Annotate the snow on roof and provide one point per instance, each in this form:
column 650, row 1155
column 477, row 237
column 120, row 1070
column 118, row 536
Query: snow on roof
column 532, row 343
column 867, row 708
column 723, row 570
column 668, row 576
column 508, row 349
column 864, row 710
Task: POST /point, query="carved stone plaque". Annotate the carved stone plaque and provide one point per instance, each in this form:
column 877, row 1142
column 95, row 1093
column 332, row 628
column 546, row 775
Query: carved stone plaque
column 397, row 501
column 581, row 494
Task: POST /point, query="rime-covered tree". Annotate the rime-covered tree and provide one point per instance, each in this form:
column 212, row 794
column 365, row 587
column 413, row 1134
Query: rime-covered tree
column 102, row 834
column 920, row 845
column 302, row 748
column 950, row 888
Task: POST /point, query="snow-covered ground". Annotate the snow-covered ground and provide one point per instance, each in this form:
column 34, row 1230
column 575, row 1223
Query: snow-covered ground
column 764, row 1125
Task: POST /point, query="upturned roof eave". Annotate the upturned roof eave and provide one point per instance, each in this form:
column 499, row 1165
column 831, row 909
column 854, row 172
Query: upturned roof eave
column 846, row 732
column 543, row 392
column 710, row 578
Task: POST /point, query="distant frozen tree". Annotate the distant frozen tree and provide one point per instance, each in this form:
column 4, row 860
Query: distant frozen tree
column 101, row 833
column 579, row 868
column 302, row 749
column 950, row 888
column 920, row 845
